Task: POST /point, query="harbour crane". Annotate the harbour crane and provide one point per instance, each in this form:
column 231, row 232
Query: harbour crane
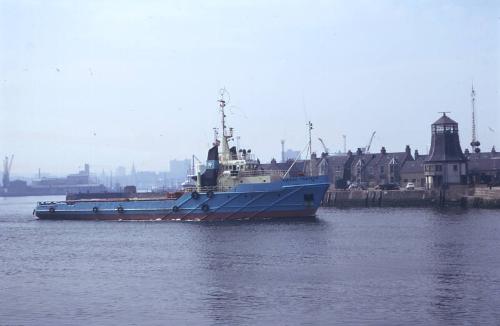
column 7, row 165
column 193, row 170
column 324, row 146
column 367, row 148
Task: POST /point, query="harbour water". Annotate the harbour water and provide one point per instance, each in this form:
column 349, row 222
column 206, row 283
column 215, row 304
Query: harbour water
column 352, row 266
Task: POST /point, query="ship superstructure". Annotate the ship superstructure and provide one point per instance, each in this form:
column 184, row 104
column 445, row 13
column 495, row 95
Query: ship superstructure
column 232, row 186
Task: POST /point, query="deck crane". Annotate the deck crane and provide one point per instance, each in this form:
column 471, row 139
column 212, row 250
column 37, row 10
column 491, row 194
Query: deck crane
column 7, row 165
column 367, row 148
column 324, row 146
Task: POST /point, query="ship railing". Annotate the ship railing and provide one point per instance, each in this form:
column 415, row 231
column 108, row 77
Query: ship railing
column 208, row 189
column 258, row 173
column 46, row 203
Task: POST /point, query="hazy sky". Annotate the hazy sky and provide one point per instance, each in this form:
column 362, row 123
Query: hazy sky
column 116, row 82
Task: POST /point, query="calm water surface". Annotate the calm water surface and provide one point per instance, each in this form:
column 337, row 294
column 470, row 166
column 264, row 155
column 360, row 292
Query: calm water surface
column 357, row 266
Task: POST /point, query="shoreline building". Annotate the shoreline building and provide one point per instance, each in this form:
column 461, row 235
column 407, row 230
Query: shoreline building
column 446, row 164
column 370, row 169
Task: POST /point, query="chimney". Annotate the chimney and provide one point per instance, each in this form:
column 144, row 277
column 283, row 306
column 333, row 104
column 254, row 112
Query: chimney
column 282, row 151
column 383, row 151
column 359, row 152
column 408, row 150
column 417, row 155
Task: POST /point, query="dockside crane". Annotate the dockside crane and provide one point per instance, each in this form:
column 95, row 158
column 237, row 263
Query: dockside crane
column 193, row 169
column 7, row 165
column 367, row 148
column 324, row 146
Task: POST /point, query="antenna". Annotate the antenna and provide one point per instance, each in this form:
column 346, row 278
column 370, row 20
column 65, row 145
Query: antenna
column 474, row 143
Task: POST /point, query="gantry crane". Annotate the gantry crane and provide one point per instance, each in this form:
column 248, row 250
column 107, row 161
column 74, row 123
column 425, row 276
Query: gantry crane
column 324, row 146
column 367, row 148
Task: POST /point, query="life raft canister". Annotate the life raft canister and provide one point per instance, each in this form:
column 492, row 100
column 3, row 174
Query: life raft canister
column 95, row 209
column 52, row 210
column 175, row 209
column 210, row 194
column 195, row 195
column 205, row 207
column 120, row 209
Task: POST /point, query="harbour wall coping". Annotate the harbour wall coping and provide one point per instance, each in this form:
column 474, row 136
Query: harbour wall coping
column 454, row 196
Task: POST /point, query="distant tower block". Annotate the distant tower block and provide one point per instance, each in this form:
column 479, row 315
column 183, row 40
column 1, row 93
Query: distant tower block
column 345, row 143
column 282, row 151
column 474, row 143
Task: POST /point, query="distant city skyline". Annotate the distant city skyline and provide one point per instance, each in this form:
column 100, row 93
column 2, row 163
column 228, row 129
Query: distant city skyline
column 113, row 83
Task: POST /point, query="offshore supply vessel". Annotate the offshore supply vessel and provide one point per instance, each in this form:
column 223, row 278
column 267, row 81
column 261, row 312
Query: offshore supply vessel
column 232, row 187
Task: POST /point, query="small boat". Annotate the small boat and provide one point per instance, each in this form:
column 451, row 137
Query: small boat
column 232, row 186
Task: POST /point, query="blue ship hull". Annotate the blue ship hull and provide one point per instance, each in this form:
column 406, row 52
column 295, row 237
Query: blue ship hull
column 291, row 197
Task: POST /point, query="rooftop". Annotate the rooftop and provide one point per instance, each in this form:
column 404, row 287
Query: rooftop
column 445, row 120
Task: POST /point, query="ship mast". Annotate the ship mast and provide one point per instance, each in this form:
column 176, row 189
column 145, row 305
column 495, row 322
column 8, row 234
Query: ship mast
column 310, row 128
column 225, row 134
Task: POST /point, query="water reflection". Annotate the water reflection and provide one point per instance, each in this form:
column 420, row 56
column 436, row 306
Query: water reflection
column 358, row 266
column 245, row 266
column 450, row 264
column 449, row 282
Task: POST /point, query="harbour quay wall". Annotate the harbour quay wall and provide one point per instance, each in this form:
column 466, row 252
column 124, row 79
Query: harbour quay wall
column 378, row 198
column 483, row 197
column 463, row 196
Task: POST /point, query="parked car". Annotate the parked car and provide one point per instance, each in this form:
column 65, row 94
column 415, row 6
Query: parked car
column 388, row 186
column 358, row 186
column 410, row 186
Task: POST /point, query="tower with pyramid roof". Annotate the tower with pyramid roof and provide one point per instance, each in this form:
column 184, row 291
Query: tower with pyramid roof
column 446, row 163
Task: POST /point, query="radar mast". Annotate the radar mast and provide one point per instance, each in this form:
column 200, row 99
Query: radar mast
column 226, row 135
